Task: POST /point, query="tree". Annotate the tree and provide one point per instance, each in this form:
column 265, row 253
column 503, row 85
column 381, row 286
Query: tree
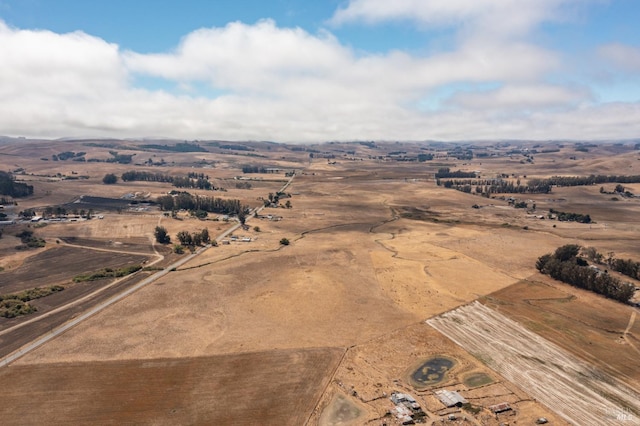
column 204, row 235
column 161, row 235
column 284, row 241
column 185, row 238
column 109, row 179
column 27, row 214
column 288, row 204
column 567, row 252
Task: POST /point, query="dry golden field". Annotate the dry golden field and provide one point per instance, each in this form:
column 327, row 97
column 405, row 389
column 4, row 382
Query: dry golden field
column 376, row 248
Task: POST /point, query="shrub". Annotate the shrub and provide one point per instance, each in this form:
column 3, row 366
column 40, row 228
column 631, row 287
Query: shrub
column 109, row 179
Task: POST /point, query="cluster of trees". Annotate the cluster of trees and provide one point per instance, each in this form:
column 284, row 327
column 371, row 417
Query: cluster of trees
column 68, row 155
column 253, row 169
column 590, row 180
column 185, row 238
column 627, row 267
column 192, row 180
column 565, row 265
column 235, row 147
column 187, row 182
column 194, row 239
column 461, row 154
column 425, row 157
column 486, row 187
column 570, row 217
column 619, row 189
column 8, row 186
column 120, row 158
column 179, row 147
column 27, row 213
column 274, row 199
column 533, row 186
column 59, row 211
column 186, row 201
column 445, row 172
column 109, row 179
column 243, row 185
column 29, row 240
column 136, row 175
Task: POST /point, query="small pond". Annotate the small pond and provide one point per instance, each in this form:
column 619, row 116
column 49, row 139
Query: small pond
column 432, row 371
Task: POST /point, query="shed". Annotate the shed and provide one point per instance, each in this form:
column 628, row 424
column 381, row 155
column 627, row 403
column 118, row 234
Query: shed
column 500, row 408
column 450, row 398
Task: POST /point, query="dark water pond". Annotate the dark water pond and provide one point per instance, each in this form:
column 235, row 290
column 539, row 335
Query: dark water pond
column 432, row 371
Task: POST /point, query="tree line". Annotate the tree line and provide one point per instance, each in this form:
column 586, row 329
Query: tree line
column 186, row 201
column 192, row 180
column 496, row 186
column 460, row 181
column 565, row 265
column 627, row 267
column 178, row 147
column 570, row 217
column 445, row 172
column 8, row 186
column 137, row 175
column 591, row 180
column 254, row 169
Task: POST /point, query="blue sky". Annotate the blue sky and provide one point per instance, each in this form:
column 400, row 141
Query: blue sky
column 302, row 71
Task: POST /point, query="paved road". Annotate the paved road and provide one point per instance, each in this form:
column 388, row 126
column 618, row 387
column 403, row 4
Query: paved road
column 63, row 328
column 58, row 331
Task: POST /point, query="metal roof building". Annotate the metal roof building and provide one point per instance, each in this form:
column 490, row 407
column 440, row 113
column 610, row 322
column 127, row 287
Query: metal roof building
column 499, row 408
column 450, row 398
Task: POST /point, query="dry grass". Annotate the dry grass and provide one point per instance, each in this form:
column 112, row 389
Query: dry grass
column 376, row 248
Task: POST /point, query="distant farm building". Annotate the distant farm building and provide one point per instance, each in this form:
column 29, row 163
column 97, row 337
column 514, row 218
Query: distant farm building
column 407, row 410
column 500, row 408
column 450, row 398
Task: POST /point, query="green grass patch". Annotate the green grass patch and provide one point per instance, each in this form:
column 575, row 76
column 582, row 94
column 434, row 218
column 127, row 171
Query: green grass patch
column 477, row 379
column 107, row 273
column 471, row 408
column 16, row 304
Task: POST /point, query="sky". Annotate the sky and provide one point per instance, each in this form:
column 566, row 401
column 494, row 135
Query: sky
column 325, row 70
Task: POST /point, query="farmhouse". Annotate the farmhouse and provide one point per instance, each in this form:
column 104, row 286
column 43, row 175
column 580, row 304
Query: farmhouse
column 450, row 398
column 407, row 409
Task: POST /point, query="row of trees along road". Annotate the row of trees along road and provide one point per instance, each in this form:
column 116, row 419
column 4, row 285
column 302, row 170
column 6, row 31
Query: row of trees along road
column 184, row 237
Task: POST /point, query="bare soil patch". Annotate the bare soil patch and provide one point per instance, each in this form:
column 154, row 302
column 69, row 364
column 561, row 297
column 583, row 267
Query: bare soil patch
column 588, row 325
column 60, row 264
column 576, row 391
column 270, row 388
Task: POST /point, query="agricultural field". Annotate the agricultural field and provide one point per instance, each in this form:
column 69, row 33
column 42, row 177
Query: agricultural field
column 374, row 248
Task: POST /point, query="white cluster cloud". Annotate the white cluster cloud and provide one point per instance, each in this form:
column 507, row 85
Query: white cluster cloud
column 287, row 84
